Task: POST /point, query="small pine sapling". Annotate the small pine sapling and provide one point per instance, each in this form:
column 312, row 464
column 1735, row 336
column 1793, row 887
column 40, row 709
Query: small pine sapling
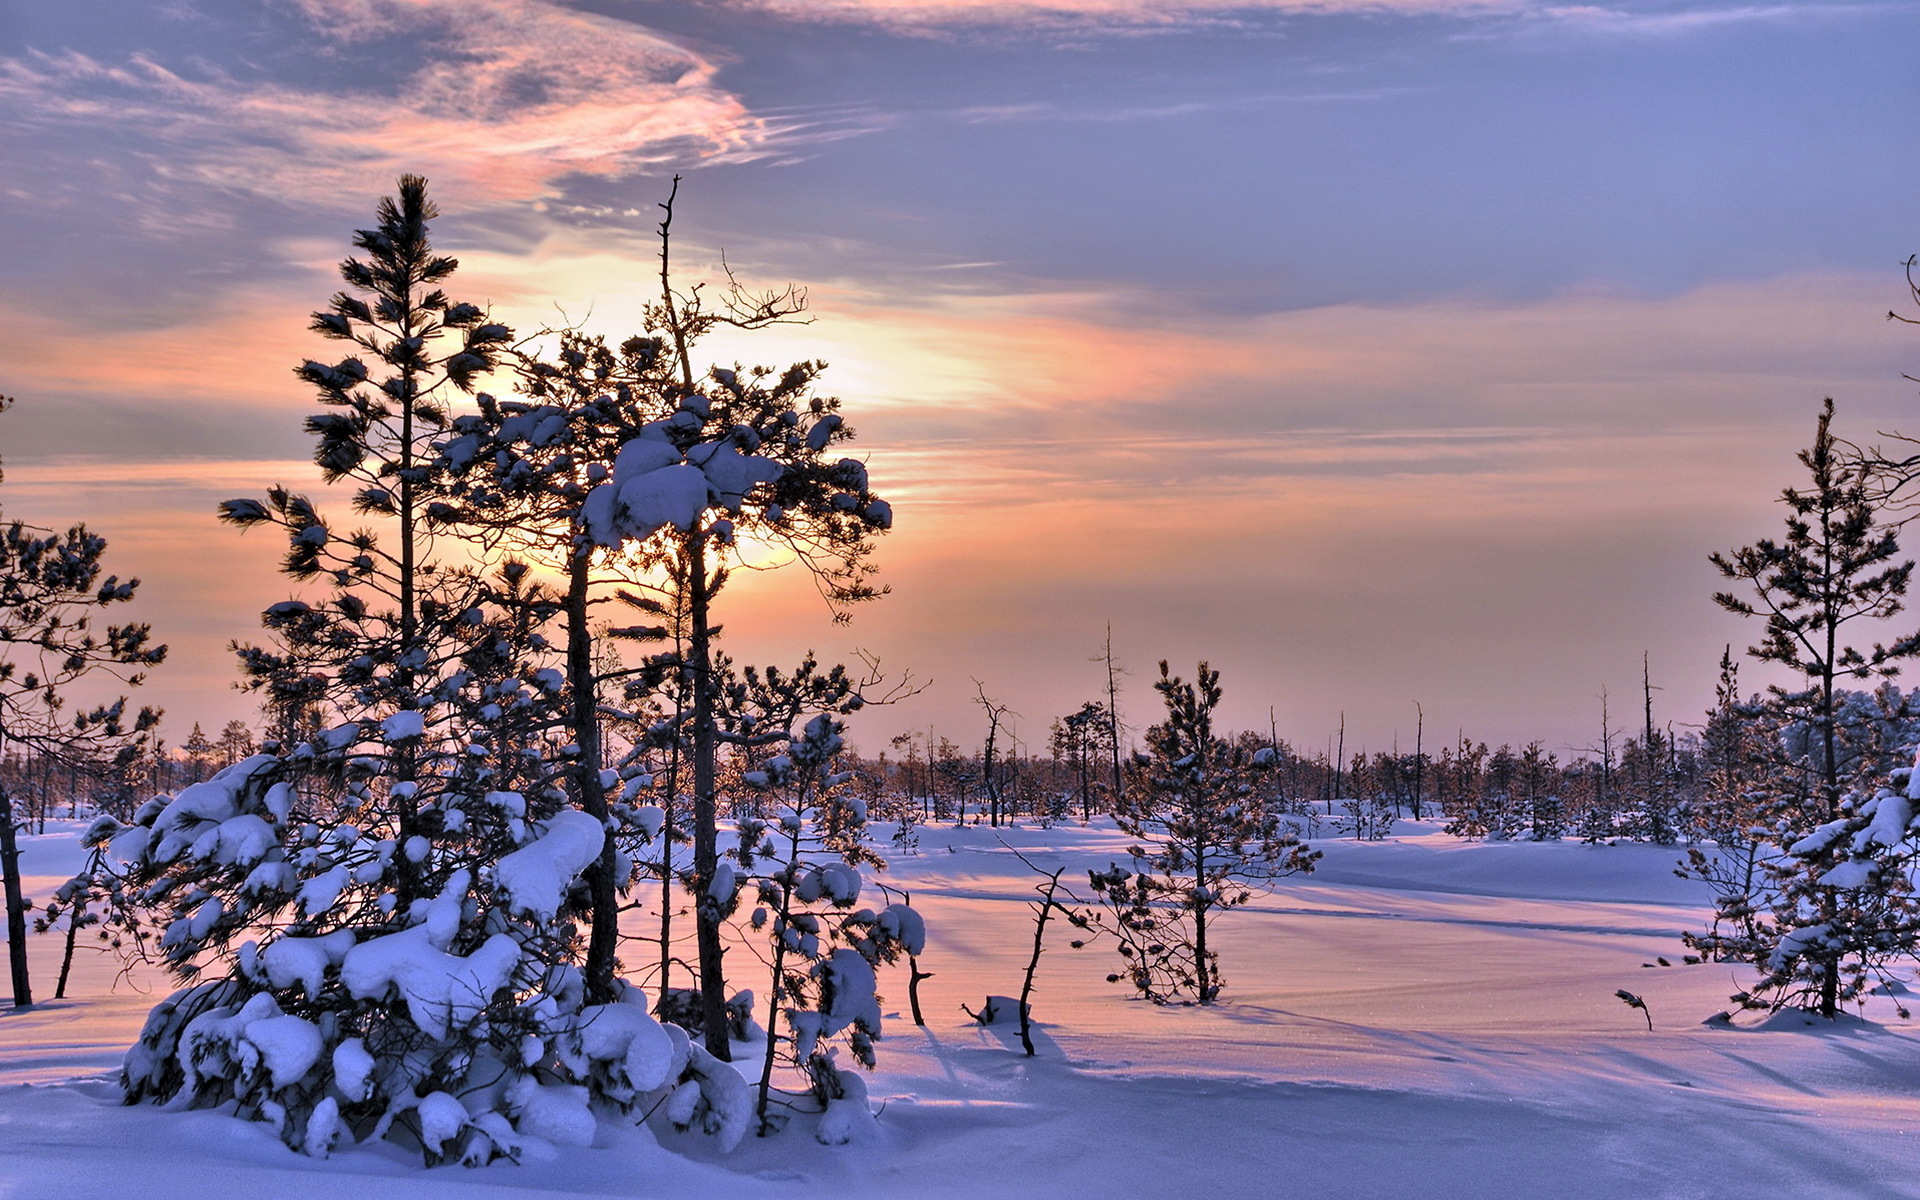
column 803, row 864
column 1205, row 843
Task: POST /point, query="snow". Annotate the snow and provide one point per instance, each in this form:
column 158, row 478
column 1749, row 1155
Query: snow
column 352, row 1068
column 1892, row 814
column 1421, row 1017
column 288, row 1046
column 731, row 474
column 403, row 726
column 556, row 1112
column 535, row 877
column 442, row 1117
column 625, row 1034
column 849, row 1115
column 442, row 991
column 642, row 455
column 304, row 960
column 675, row 496
column 322, row 892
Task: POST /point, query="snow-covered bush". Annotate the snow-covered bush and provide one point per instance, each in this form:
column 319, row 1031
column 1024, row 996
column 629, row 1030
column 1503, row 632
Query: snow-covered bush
column 803, row 868
column 291, row 915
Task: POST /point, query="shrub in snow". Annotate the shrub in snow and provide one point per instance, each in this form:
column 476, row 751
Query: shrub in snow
column 334, row 1002
column 1205, row 842
column 802, row 866
column 1367, row 818
column 1840, row 905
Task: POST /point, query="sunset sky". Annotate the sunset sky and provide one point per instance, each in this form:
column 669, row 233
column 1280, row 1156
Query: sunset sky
column 1378, row 352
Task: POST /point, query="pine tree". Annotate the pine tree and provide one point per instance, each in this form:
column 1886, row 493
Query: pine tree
column 199, row 752
column 1735, row 814
column 375, row 920
column 1539, row 779
column 1836, row 567
column 1082, row 740
column 236, row 742
column 1205, row 843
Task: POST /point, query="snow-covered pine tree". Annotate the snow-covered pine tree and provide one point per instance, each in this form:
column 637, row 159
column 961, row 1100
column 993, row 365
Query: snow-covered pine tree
column 50, row 589
column 1843, row 903
column 1205, row 843
column 1836, row 567
column 376, row 923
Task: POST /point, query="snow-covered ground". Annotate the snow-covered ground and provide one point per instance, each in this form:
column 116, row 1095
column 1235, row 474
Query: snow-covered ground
column 1420, row 1018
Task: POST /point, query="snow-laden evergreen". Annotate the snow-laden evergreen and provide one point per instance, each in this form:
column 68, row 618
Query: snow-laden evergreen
column 51, row 589
column 378, row 915
column 803, row 863
column 378, row 919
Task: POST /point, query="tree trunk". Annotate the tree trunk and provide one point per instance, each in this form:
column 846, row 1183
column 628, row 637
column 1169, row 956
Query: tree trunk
column 74, row 916
column 604, row 933
column 1200, row 955
column 1200, row 930
column 1033, row 960
column 778, row 976
column 706, row 834
column 16, row 904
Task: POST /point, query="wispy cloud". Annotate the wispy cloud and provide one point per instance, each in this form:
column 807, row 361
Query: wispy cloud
column 1113, row 14
column 498, row 98
column 1680, row 21
column 1659, row 18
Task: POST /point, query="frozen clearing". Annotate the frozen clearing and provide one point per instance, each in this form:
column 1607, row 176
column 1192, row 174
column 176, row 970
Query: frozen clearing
column 1420, row 1018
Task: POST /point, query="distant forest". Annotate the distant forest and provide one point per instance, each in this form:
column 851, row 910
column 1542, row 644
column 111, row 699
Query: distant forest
column 1657, row 783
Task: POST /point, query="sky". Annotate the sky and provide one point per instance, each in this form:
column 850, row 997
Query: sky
column 1381, row 353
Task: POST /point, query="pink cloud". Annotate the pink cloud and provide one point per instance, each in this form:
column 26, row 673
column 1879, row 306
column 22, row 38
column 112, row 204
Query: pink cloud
column 518, row 94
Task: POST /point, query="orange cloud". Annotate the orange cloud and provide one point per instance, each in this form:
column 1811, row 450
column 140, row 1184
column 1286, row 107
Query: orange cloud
column 1344, row 506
